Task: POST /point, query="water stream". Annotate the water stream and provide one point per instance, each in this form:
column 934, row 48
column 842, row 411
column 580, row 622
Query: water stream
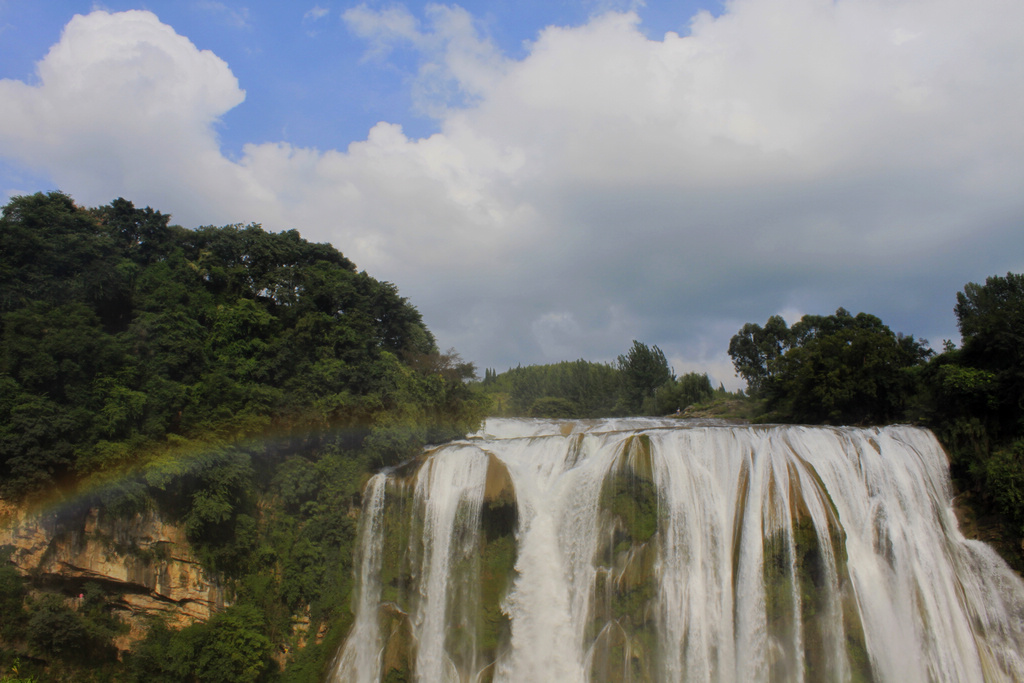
column 665, row 550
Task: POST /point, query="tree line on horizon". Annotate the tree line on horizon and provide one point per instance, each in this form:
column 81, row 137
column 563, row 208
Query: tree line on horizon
column 639, row 382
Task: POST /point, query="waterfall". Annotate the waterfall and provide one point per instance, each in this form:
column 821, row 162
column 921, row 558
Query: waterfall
column 668, row 550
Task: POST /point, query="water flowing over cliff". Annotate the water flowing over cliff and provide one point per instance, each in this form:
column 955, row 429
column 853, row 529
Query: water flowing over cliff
column 663, row 550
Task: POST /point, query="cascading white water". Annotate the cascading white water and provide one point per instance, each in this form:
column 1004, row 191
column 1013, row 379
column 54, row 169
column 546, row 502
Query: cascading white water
column 449, row 490
column 360, row 660
column 662, row 550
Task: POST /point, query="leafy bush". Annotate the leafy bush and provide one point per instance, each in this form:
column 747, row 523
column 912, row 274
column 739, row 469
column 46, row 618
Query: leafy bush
column 230, row 648
column 54, row 629
column 12, row 596
column 1004, row 479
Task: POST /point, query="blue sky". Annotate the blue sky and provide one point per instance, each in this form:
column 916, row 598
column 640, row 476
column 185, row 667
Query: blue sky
column 308, row 79
column 550, row 180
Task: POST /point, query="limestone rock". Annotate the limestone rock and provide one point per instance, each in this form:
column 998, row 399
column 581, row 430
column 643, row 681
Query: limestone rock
column 498, row 488
column 145, row 561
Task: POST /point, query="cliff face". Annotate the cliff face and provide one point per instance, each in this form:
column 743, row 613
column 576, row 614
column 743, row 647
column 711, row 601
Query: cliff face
column 143, row 560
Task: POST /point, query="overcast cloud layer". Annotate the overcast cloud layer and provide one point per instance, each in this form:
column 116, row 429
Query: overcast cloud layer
column 788, row 156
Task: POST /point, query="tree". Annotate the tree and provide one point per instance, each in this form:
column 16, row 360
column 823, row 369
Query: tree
column 991, row 320
column 57, row 630
column 51, row 249
column 644, row 369
column 236, row 649
column 678, row 394
column 553, row 406
column 755, row 349
column 230, row 648
column 588, row 389
column 837, row 369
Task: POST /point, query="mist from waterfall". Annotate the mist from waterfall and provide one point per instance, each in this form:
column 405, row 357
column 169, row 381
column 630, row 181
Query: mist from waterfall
column 667, row 550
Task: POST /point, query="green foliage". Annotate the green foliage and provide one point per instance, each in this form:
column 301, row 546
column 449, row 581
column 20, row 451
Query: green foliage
column 241, row 382
column 584, row 389
column 1004, row 482
column 971, row 398
column 12, row 595
column 553, row 406
column 643, row 369
column 991, row 320
column 838, row 369
column 148, row 660
column 678, row 394
column 15, row 675
column 230, row 648
column 118, row 329
column 84, row 636
column 50, row 250
column 568, row 389
column 961, row 404
column 991, row 317
column 233, row 649
column 755, row 349
column 55, row 629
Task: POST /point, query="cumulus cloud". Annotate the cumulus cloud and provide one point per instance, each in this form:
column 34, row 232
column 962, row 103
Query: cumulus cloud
column 457, row 63
column 124, row 105
column 788, row 155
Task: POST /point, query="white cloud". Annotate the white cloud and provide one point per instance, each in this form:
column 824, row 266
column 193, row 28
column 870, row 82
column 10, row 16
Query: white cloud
column 316, row 13
column 793, row 155
column 234, row 17
column 458, row 65
column 124, row 105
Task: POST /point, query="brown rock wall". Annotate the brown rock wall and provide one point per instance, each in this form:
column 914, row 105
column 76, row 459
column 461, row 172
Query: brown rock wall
column 146, row 562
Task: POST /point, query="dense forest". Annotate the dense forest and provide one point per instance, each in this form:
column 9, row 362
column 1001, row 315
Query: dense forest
column 640, row 382
column 245, row 384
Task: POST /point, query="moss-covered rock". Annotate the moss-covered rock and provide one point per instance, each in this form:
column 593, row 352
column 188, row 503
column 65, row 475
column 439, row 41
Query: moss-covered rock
column 401, row 537
column 399, row 651
column 480, row 575
column 801, row 554
column 622, row 618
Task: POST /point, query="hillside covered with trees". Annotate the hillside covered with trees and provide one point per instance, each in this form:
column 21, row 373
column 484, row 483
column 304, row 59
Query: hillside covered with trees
column 240, row 382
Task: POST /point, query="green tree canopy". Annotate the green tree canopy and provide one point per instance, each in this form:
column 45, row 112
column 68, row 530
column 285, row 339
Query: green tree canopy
column 677, row 394
column 755, row 349
column 643, row 369
column 241, row 382
column 837, row 369
column 991, row 320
